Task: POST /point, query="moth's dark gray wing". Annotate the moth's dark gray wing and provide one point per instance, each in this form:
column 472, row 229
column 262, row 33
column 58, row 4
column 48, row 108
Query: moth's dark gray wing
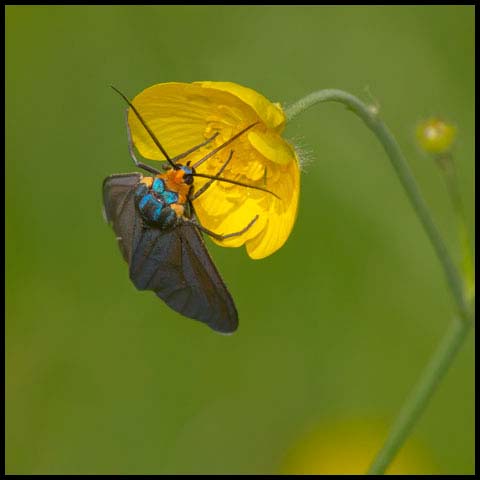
column 120, row 211
column 177, row 267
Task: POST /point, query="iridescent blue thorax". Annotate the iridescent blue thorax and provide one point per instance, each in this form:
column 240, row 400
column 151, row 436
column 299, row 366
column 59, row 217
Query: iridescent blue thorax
column 159, row 206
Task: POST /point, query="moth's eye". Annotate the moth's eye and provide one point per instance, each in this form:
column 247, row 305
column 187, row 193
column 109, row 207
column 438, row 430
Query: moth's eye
column 188, row 179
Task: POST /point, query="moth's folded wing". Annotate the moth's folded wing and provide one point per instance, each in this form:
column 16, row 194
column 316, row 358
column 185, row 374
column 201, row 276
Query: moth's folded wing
column 120, row 211
column 177, row 267
column 213, row 300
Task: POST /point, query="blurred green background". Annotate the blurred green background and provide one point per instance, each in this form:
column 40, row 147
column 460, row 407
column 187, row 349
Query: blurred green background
column 336, row 326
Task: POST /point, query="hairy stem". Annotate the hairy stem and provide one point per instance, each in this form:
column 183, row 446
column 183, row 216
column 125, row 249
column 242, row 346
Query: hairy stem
column 374, row 123
column 447, row 349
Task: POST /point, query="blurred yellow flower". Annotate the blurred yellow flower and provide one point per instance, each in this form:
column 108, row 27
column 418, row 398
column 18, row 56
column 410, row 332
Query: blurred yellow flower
column 348, row 447
column 435, row 135
column 182, row 115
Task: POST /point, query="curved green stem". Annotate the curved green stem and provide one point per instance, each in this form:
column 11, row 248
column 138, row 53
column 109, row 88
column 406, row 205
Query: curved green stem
column 373, row 122
column 443, row 357
column 420, row 395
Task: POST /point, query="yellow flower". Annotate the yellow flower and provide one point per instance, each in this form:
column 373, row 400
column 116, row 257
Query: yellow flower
column 182, row 115
column 348, row 447
column 435, row 135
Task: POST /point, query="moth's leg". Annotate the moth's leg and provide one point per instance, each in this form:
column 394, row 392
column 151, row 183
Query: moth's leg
column 191, row 209
column 216, row 235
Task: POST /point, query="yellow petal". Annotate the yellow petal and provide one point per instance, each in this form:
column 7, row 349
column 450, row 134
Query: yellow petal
column 271, row 147
column 179, row 115
column 270, row 113
column 228, row 210
column 280, row 217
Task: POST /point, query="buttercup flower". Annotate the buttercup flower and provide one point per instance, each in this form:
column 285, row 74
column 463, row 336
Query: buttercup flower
column 182, row 115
